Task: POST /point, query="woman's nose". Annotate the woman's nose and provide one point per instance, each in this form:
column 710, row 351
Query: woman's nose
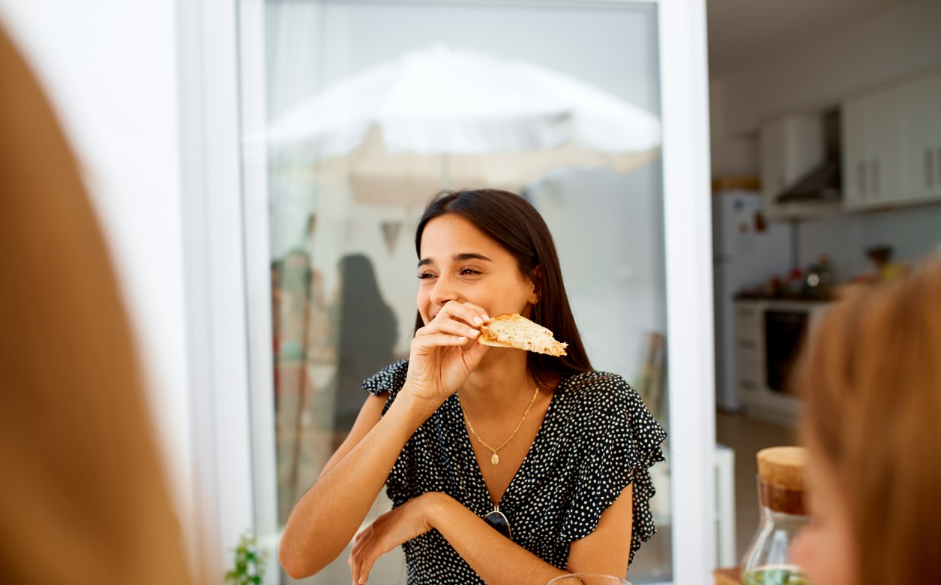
column 444, row 291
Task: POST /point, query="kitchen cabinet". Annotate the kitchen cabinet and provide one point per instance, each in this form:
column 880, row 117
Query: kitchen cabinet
column 749, row 349
column 871, row 139
column 920, row 154
column 892, row 146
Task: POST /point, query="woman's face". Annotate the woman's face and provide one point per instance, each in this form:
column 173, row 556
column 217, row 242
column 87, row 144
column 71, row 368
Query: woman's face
column 824, row 549
column 459, row 263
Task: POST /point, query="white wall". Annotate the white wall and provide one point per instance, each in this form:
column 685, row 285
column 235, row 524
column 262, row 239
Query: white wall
column 901, row 40
column 110, row 69
column 913, row 233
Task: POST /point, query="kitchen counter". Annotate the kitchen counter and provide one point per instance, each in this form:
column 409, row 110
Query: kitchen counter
column 745, row 296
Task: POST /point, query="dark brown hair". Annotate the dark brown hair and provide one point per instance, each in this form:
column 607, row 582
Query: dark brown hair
column 514, row 224
column 871, row 381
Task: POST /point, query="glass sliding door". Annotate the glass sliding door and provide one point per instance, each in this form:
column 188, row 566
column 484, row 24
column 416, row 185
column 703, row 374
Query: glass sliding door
column 343, row 144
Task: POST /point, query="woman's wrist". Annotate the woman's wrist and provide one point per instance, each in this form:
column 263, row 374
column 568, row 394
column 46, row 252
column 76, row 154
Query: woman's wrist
column 412, row 410
column 436, row 508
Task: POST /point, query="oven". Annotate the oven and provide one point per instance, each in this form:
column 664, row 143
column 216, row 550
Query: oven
column 769, row 337
column 784, row 330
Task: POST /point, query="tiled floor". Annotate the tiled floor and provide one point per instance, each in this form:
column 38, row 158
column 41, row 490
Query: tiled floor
column 746, row 436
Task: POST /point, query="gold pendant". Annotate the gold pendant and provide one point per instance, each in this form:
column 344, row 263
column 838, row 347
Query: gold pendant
column 495, row 459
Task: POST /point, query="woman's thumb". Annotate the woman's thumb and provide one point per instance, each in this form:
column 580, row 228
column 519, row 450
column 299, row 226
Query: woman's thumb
column 474, row 354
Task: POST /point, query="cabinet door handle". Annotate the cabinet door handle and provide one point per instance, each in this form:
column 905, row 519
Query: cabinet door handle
column 929, row 168
column 862, row 177
column 874, row 168
column 939, row 164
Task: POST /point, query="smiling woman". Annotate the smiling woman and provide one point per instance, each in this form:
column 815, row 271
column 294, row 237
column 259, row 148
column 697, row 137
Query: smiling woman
column 567, row 487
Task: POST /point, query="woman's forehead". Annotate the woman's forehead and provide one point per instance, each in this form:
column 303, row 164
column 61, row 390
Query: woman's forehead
column 450, row 235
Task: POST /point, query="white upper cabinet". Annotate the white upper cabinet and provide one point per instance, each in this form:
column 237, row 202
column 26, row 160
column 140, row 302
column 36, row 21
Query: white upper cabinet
column 892, row 146
column 856, row 148
column 920, row 153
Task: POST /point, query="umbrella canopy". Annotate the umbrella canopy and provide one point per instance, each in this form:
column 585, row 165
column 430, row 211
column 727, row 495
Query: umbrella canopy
column 454, row 118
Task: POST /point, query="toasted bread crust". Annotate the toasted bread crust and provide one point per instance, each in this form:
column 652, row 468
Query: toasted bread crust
column 516, row 331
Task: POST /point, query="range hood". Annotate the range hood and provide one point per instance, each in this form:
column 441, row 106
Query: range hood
column 824, row 183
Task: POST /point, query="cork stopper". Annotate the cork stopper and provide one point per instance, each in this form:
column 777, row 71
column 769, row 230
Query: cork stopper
column 781, row 471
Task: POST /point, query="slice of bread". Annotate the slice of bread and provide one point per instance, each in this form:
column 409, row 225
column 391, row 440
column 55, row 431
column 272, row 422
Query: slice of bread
column 514, row 330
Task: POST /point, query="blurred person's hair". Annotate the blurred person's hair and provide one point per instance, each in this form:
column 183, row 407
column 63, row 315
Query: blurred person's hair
column 83, row 497
column 870, row 378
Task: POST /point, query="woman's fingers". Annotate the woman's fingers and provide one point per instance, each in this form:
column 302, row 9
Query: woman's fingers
column 354, row 562
column 370, row 557
column 366, row 549
column 461, row 319
column 474, row 354
column 450, row 326
column 433, row 340
column 471, row 314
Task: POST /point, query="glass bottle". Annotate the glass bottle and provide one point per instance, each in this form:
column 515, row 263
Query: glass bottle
column 767, row 560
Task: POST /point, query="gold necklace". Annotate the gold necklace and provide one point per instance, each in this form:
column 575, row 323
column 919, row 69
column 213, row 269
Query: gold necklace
column 496, row 458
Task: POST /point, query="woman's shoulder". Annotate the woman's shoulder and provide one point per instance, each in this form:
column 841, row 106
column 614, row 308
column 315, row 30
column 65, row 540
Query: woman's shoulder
column 389, row 379
column 595, row 384
column 595, row 391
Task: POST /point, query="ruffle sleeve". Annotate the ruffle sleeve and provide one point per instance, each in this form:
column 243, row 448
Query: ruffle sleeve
column 389, row 379
column 619, row 442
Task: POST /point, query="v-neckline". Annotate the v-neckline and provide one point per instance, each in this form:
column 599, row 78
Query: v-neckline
column 469, row 448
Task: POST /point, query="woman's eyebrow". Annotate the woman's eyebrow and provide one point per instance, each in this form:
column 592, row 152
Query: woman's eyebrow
column 457, row 258
column 470, row 256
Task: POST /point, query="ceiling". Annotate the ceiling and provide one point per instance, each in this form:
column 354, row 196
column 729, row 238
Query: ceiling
column 744, row 31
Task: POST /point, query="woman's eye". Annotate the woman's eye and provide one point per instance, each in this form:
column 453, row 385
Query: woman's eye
column 467, row 271
column 425, row 275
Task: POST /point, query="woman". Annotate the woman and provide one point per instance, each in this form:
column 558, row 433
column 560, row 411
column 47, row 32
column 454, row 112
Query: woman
column 468, row 438
column 871, row 379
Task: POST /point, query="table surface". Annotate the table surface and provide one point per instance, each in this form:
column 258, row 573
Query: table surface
column 728, row 576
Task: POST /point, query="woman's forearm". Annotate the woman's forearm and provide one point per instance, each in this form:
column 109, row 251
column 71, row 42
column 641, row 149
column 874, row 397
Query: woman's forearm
column 496, row 559
column 327, row 517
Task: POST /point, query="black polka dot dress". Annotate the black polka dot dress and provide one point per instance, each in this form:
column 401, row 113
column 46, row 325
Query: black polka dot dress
column 597, row 437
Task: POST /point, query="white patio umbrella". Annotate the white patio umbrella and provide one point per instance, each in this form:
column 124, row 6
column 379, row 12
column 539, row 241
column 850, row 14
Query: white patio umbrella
column 453, row 118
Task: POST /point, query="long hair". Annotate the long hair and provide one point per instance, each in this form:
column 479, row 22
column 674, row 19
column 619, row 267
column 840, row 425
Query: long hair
column 514, row 224
column 871, row 381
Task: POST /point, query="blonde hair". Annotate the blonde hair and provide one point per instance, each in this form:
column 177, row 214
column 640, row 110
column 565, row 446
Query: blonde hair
column 83, row 498
column 871, row 382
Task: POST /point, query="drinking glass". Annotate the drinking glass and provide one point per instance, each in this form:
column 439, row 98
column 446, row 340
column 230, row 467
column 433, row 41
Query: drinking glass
column 588, row 579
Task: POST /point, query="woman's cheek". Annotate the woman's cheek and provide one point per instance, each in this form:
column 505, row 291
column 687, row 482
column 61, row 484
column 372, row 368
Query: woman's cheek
column 802, row 549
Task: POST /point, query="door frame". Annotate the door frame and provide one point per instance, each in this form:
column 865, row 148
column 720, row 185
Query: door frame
column 228, row 296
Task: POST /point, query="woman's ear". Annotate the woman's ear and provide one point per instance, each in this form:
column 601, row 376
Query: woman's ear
column 536, row 283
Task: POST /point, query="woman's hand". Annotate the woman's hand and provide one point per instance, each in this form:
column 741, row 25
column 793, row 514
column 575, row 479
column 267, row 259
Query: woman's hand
column 390, row 530
column 445, row 352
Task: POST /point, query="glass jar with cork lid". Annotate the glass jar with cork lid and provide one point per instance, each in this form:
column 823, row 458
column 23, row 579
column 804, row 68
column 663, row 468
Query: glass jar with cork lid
column 767, row 560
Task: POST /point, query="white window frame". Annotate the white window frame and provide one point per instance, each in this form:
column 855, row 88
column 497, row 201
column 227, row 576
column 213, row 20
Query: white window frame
column 228, row 296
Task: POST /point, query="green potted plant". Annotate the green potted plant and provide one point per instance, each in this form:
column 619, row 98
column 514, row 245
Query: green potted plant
column 249, row 561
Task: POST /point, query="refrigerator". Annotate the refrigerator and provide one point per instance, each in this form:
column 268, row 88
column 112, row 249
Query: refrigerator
column 745, row 255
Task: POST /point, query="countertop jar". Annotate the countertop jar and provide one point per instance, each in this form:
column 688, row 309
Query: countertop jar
column 767, row 560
